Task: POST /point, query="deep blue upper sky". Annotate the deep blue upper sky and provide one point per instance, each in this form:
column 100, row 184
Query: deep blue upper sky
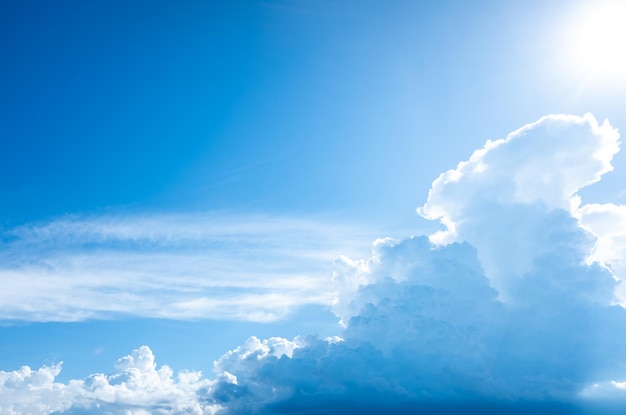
column 350, row 107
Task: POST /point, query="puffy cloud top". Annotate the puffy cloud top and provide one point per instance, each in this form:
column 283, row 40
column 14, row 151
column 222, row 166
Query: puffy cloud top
column 547, row 161
column 496, row 200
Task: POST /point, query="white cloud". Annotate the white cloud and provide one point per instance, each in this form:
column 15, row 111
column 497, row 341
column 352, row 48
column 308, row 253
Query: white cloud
column 486, row 200
column 608, row 223
column 426, row 333
column 546, row 161
column 254, row 351
column 135, row 387
column 239, row 377
column 173, row 266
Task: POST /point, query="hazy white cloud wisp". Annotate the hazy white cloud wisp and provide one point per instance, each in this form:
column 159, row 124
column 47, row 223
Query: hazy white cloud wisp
column 182, row 266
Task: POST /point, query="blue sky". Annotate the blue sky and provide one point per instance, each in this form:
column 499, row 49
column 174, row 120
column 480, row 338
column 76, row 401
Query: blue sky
column 187, row 175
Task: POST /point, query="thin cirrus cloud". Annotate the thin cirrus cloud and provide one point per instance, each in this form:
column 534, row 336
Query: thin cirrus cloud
column 451, row 323
column 180, row 266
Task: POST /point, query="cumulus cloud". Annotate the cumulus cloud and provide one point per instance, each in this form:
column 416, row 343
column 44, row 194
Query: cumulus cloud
column 136, row 386
column 608, row 223
column 510, row 309
column 434, row 336
column 179, row 266
column 495, row 200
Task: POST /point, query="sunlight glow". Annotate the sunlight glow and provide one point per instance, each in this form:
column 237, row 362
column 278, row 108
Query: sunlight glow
column 595, row 42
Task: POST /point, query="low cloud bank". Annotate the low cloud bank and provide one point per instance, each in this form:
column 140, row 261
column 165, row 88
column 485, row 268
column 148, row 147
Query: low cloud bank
column 512, row 308
column 136, row 387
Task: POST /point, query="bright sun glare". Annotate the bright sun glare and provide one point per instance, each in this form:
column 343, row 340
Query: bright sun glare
column 597, row 42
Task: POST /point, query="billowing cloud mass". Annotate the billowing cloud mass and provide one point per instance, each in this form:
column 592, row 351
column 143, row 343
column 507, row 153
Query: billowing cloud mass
column 498, row 198
column 513, row 308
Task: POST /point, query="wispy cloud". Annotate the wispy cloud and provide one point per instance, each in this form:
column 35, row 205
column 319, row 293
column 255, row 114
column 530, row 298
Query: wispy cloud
column 169, row 265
